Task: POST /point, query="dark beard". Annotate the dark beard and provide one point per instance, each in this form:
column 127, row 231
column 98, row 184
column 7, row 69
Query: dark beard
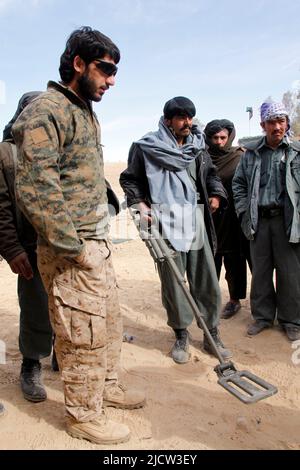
column 87, row 88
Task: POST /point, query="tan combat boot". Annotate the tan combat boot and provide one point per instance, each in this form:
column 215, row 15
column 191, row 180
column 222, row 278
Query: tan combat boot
column 118, row 396
column 100, row 431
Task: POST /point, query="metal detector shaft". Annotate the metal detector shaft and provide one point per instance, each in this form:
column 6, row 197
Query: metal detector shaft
column 163, row 253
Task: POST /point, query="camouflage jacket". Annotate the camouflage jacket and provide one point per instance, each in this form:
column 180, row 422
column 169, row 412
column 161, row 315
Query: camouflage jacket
column 60, row 183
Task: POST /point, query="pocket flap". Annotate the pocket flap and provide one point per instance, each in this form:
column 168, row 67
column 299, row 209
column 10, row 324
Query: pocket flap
column 73, row 377
column 79, row 300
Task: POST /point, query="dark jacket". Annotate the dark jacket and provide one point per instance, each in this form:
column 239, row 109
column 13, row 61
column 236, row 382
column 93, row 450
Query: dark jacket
column 229, row 234
column 246, row 183
column 23, row 102
column 135, row 185
column 16, row 234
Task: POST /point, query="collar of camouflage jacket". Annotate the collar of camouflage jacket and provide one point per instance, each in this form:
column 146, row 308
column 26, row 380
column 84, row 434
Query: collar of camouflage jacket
column 70, row 94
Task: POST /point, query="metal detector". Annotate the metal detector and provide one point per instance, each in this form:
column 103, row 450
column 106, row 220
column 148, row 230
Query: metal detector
column 244, row 385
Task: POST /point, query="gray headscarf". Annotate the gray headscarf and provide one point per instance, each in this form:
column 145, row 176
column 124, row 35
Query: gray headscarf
column 173, row 196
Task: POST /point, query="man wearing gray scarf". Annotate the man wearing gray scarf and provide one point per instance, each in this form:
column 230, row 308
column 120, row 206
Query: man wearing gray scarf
column 170, row 178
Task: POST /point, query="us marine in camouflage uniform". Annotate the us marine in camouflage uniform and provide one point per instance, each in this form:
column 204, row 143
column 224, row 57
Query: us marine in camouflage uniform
column 61, row 188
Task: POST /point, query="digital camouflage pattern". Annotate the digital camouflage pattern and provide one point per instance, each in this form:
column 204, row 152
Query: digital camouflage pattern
column 86, row 318
column 60, row 183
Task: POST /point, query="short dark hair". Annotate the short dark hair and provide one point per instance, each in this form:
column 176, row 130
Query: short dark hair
column 89, row 44
column 179, row 106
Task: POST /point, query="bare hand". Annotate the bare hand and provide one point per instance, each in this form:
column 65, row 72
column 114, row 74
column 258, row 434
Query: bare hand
column 21, row 265
column 145, row 214
column 84, row 260
column 214, row 203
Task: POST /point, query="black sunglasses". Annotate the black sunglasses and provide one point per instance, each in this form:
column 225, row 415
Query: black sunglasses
column 106, row 67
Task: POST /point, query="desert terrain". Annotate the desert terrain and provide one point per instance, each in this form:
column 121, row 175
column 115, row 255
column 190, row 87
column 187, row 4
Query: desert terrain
column 186, row 408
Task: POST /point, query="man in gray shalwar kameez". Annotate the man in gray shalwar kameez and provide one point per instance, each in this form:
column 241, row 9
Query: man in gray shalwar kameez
column 170, row 176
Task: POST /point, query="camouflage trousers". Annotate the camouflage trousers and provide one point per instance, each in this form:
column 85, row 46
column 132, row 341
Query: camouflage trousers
column 86, row 319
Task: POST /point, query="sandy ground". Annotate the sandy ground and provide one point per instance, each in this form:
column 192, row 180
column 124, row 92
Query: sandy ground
column 186, row 408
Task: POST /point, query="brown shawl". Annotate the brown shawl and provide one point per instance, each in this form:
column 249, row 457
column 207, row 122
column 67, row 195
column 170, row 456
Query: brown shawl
column 227, row 158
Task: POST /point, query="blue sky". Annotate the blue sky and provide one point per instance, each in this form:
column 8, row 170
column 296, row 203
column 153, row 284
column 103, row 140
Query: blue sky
column 224, row 55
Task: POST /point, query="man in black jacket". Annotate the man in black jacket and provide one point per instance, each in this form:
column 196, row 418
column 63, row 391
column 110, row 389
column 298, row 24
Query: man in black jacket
column 170, row 175
column 233, row 247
